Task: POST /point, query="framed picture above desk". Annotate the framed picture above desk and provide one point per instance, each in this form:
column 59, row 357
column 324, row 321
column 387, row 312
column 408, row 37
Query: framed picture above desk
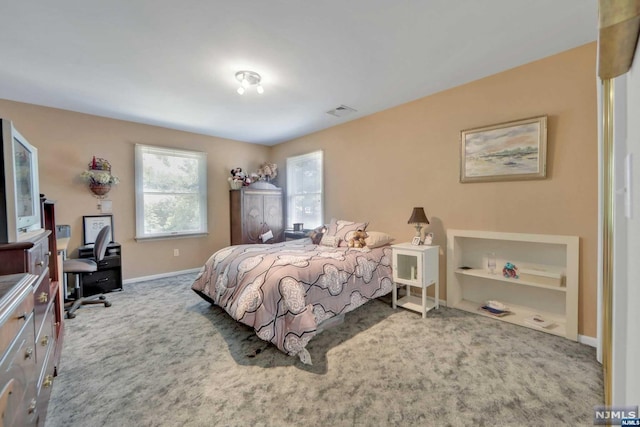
column 92, row 224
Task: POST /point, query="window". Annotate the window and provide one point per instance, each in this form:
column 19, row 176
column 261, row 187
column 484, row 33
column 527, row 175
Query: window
column 304, row 190
column 171, row 192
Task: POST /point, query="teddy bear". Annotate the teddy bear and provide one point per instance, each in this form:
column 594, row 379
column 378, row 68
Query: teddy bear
column 357, row 239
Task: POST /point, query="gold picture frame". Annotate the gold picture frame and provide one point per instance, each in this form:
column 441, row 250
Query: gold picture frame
column 510, row 151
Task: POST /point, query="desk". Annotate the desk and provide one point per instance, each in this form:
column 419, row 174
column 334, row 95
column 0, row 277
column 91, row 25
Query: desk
column 108, row 277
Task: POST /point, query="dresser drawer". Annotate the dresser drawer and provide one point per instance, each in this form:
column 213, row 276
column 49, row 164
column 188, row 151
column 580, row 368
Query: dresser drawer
column 41, row 298
column 45, row 349
column 109, row 262
column 100, row 282
column 39, row 257
column 45, row 338
column 17, row 379
column 20, row 311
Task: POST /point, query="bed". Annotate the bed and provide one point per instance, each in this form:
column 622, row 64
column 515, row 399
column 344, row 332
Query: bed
column 287, row 291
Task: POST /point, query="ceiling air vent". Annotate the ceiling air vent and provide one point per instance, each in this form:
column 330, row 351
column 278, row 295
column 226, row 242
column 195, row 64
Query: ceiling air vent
column 341, row 111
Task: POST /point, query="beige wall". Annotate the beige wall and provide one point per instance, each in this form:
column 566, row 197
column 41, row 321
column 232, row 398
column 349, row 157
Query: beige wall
column 66, row 143
column 378, row 167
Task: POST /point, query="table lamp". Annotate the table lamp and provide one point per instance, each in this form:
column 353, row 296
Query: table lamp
column 418, row 217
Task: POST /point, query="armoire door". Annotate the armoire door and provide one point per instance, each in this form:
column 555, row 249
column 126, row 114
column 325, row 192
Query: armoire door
column 273, row 216
column 253, row 218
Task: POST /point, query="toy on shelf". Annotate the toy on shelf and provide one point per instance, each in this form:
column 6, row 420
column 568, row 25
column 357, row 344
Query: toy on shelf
column 510, row 271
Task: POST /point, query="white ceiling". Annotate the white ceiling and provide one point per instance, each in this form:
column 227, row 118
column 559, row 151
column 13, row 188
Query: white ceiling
column 172, row 63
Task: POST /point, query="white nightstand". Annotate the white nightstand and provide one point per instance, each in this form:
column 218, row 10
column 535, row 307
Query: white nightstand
column 415, row 266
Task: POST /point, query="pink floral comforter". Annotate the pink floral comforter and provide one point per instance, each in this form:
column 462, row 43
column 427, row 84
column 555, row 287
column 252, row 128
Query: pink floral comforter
column 285, row 290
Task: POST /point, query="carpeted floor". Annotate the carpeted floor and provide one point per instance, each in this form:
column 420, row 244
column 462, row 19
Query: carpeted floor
column 162, row 356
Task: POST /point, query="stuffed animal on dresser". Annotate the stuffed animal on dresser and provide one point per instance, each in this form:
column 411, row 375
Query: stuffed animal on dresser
column 357, row 239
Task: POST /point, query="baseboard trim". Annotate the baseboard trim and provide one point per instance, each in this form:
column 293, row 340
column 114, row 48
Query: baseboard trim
column 160, row 276
column 590, row 341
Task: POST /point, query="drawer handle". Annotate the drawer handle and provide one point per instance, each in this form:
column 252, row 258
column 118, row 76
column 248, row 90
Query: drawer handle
column 49, row 253
column 45, row 340
column 105, row 279
column 23, row 316
column 28, row 353
column 44, row 297
column 40, row 263
column 32, row 406
column 48, row 381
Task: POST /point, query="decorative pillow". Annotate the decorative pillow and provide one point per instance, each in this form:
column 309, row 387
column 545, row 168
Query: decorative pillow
column 316, row 234
column 343, row 229
column 375, row 239
column 331, row 241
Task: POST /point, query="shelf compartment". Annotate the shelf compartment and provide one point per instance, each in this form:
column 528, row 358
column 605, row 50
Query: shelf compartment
column 519, row 313
column 408, row 268
column 480, row 290
column 414, row 303
column 478, row 272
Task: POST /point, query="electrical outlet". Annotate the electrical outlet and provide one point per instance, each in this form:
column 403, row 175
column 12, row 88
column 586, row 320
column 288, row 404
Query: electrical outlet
column 176, row 252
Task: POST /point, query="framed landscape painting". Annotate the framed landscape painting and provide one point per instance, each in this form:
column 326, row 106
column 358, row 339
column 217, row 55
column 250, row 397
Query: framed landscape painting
column 505, row 152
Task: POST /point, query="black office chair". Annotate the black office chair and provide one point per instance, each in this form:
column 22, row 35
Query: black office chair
column 79, row 266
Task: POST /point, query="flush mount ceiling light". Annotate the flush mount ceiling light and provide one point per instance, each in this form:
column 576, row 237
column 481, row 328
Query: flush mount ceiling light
column 248, row 79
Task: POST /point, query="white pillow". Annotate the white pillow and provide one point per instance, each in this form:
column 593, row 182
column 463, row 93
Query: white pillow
column 375, row 239
column 331, row 241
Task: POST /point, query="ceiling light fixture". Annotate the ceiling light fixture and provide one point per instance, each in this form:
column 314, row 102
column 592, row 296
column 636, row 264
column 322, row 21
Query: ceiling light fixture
column 248, row 79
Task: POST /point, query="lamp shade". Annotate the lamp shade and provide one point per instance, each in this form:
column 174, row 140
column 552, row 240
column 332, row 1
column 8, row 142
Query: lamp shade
column 418, row 217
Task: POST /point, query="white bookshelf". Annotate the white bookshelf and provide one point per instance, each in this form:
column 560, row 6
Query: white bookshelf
column 468, row 289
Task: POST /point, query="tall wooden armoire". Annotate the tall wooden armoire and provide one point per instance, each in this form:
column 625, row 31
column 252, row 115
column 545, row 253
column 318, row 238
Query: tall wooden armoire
column 255, row 211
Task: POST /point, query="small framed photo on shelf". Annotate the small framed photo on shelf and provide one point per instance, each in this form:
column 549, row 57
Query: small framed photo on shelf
column 92, row 224
column 428, row 239
column 416, row 241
